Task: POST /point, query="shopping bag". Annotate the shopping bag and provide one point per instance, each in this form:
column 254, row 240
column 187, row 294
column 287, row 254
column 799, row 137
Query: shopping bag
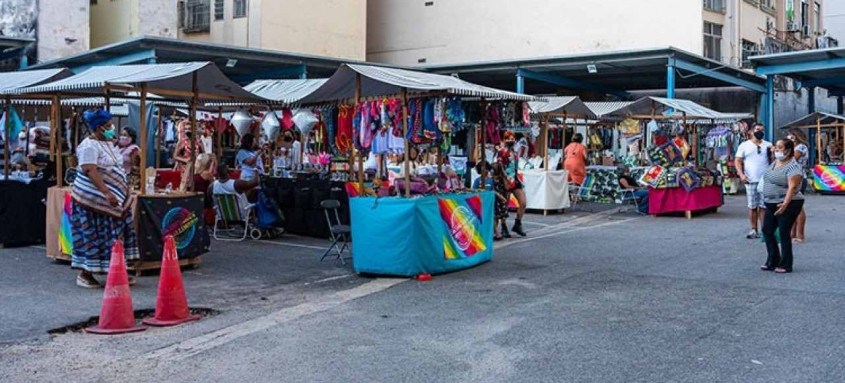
column 267, row 213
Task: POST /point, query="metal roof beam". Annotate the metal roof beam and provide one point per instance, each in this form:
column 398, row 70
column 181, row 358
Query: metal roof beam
column 296, row 71
column 569, row 83
column 823, row 82
column 715, row 74
column 131, row 58
column 806, row 66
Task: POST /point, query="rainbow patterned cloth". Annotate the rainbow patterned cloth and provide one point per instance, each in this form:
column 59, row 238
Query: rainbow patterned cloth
column 464, row 238
column 65, row 235
column 829, row 178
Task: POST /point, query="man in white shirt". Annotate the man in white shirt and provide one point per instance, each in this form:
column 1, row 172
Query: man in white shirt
column 752, row 160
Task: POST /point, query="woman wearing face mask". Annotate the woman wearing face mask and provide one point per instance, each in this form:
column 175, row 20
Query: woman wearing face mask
column 100, row 202
column 784, row 202
column 801, row 155
column 131, row 155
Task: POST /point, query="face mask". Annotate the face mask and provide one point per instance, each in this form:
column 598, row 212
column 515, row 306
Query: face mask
column 779, row 155
column 759, row 135
column 124, row 141
column 109, row 133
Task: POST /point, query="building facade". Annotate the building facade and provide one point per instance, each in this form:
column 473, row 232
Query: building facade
column 332, row 28
column 451, row 31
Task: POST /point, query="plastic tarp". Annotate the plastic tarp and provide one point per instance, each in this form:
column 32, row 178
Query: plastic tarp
column 431, row 234
column 177, row 77
column 380, row 81
column 284, row 91
column 546, row 190
column 606, row 107
column 571, row 105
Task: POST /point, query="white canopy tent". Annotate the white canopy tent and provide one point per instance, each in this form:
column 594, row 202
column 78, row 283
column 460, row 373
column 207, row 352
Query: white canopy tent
column 192, row 82
column 10, row 82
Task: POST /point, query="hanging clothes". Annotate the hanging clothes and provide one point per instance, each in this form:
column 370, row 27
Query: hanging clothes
column 345, row 129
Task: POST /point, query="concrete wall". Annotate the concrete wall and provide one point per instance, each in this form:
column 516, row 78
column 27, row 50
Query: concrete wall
column 453, row 31
column 336, row 28
column 156, row 18
column 834, row 20
column 111, row 21
column 63, row 28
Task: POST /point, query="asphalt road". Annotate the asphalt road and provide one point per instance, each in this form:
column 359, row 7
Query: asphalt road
column 587, row 298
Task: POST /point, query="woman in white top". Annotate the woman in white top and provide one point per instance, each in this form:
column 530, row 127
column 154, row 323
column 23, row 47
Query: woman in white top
column 801, row 155
column 100, row 194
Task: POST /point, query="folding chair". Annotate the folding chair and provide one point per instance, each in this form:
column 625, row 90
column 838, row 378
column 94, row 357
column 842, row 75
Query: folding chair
column 579, row 192
column 629, row 198
column 340, row 234
column 229, row 212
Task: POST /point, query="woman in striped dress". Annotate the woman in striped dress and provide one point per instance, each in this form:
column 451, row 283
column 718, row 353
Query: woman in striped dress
column 784, row 201
column 100, row 194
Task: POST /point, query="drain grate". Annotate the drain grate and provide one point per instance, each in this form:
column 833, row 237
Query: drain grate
column 139, row 315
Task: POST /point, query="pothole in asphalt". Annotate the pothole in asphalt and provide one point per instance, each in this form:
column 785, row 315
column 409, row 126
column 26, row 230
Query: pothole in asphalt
column 139, row 315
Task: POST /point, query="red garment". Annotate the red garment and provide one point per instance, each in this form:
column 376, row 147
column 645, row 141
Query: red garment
column 343, row 140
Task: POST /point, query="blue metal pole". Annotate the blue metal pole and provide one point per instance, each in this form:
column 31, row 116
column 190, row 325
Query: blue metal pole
column 670, row 81
column 770, row 107
column 520, row 83
column 811, row 99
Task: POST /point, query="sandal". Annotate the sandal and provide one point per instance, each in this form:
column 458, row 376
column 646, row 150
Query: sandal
column 797, row 240
column 132, row 280
column 766, row 268
column 498, row 238
column 781, row 270
column 88, row 283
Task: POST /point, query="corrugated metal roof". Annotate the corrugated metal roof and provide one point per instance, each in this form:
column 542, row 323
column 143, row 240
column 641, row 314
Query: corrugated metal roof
column 604, row 108
column 381, row 81
column 284, row 91
column 10, row 81
column 212, row 83
column 571, row 105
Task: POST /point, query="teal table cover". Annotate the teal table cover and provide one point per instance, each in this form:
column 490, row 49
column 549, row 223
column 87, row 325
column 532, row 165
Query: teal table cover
column 431, row 234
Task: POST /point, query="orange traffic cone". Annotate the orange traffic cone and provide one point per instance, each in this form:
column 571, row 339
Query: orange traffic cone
column 116, row 316
column 171, row 304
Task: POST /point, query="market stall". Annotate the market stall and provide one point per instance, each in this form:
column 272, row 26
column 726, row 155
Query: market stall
column 426, row 233
column 548, row 188
column 827, row 140
column 157, row 213
column 22, row 212
column 680, row 178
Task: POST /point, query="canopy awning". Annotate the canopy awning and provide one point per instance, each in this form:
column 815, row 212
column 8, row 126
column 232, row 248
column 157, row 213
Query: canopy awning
column 679, row 108
column 284, row 91
column 380, row 81
column 173, row 81
column 604, row 108
column 812, row 120
column 12, row 81
column 570, row 105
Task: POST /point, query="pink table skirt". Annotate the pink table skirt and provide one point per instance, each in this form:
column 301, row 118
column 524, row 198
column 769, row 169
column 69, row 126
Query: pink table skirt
column 678, row 200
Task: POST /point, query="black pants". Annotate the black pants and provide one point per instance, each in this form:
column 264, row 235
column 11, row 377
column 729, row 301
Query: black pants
column 780, row 257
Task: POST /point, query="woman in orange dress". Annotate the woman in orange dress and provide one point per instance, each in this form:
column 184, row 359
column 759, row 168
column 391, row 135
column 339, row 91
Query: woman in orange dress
column 575, row 160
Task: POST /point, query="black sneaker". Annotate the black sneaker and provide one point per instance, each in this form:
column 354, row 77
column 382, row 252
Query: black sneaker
column 518, row 229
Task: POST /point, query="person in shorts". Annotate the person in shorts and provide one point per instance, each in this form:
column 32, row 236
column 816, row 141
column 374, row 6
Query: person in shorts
column 752, row 161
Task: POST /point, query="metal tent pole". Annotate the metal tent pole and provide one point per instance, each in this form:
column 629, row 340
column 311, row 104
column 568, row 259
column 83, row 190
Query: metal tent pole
column 8, row 129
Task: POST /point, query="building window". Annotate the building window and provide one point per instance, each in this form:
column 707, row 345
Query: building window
column 218, row 9
column 197, row 16
column 817, row 18
column 805, row 13
column 715, row 5
column 768, row 6
column 239, row 9
column 713, row 41
column 748, row 49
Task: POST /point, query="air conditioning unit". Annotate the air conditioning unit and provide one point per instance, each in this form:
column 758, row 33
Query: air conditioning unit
column 791, row 26
column 805, row 30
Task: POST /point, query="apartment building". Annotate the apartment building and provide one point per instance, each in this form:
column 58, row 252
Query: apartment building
column 421, row 32
column 333, row 28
